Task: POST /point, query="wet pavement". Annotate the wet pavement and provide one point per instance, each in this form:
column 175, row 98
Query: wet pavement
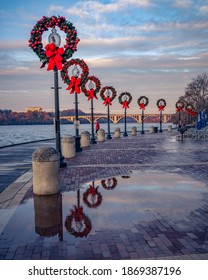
column 137, row 197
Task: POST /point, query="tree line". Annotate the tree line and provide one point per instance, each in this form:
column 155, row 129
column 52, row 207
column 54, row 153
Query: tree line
column 8, row 117
column 196, row 93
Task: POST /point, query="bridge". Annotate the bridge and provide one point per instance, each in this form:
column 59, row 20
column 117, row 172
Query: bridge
column 115, row 118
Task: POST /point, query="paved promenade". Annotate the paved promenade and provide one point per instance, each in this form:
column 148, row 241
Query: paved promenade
column 179, row 233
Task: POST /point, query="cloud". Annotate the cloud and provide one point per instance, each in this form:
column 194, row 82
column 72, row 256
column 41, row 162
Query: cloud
column 183, row 3
column 84, row 9
column 204, row 9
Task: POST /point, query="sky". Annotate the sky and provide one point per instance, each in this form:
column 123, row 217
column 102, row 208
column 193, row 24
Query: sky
column 145, row 47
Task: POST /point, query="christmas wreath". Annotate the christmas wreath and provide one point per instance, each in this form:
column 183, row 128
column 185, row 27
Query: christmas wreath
column 91, row 93
column 109, row 184
column 35, row 41
column 190, row 109
column 179, row 105
column 142, row 101
column 125, row 99
column 96, row 197
column 78, row 224
column 75, row 82
column 108, row 98
column 161, row 103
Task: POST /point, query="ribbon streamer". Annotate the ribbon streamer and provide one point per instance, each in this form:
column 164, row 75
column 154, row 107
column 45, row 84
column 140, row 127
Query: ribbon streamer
column 77, row 214
column 54, row 55
column 179, row 109
column 74, row 85
column 93, row 190
column 107, row 101
column 125, row 104
column 142, row 106
column 161, row 108
column 91, row 94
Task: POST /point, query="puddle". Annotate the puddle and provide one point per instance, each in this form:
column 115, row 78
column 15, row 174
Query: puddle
column 114, row 204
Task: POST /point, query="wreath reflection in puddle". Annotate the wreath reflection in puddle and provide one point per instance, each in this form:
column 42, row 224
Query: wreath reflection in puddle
column 109, row 184
column 92, row 198
column 78, row 224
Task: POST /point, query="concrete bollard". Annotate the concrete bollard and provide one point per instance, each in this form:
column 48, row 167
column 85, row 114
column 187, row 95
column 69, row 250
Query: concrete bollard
column 170, row 128
column 85, row 139
column 45, row 165
column 152, row 130
column 68, row 146
column 117, row 132
column 101, row 135
column 134, row 131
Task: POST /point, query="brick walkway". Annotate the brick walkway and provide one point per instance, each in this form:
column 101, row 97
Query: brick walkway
column 163, row 237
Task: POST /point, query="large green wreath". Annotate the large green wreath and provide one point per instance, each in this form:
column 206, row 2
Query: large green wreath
column 161, row 106
column 146, row 102
column 179, row 105
column 103, row 91
column 121, row 101
column 35, row 41
column 84, row 75
column 97, row 86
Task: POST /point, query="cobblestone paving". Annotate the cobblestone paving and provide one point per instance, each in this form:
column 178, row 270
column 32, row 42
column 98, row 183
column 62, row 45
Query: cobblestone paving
column 159, row 238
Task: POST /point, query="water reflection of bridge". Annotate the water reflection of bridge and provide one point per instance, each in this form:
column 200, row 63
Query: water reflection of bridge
column 115, row 118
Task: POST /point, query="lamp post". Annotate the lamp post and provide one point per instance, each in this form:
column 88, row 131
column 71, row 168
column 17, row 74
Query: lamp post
column 161, row 122
column 92, row 140
column 75, row 73
column 108, row 94
column 142, row 102
column 125, row 132
column 161, row 103
column 179, row 106
column 55, row 38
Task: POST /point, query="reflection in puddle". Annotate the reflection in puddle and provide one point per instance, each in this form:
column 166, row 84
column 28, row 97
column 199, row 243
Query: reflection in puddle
column 110, row 204
column 48, row 215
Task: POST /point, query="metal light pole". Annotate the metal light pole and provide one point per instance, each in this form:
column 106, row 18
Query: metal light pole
column 125, row 132
column 55, row 38
column 142, row 102
column 160, row 121
column 75, row 73
column 92, row 140
column 108, row 135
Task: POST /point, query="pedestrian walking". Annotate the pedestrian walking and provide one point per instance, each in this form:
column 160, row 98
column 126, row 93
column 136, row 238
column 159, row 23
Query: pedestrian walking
column 97, row 126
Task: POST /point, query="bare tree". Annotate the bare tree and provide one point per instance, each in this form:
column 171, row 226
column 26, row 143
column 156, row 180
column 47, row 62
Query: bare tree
column 196, row 92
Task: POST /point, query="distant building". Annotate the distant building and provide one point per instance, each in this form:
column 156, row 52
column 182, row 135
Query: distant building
column 32, row 109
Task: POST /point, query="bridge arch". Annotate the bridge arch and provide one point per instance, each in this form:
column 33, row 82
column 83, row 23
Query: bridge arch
column 131, row 117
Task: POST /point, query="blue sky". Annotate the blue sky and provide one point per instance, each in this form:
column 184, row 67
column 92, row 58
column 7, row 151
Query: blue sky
column 145, row 47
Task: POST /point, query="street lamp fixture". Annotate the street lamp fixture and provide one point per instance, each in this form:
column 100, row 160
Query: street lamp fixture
column 108, row 94
column 92, row 140
column 75, row 73
column 55, row 38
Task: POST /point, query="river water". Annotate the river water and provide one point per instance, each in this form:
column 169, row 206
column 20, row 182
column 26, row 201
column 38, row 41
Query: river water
column 16, row 134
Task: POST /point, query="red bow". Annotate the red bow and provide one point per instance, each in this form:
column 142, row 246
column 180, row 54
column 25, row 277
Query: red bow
column 179, row 109
column 125, row 104
column 107, row 101
column 142, row 106
column 91, row 94
column 161, row 108
column 54, row 55
column 93, row 190
column 74, row 85
column 77, row 213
